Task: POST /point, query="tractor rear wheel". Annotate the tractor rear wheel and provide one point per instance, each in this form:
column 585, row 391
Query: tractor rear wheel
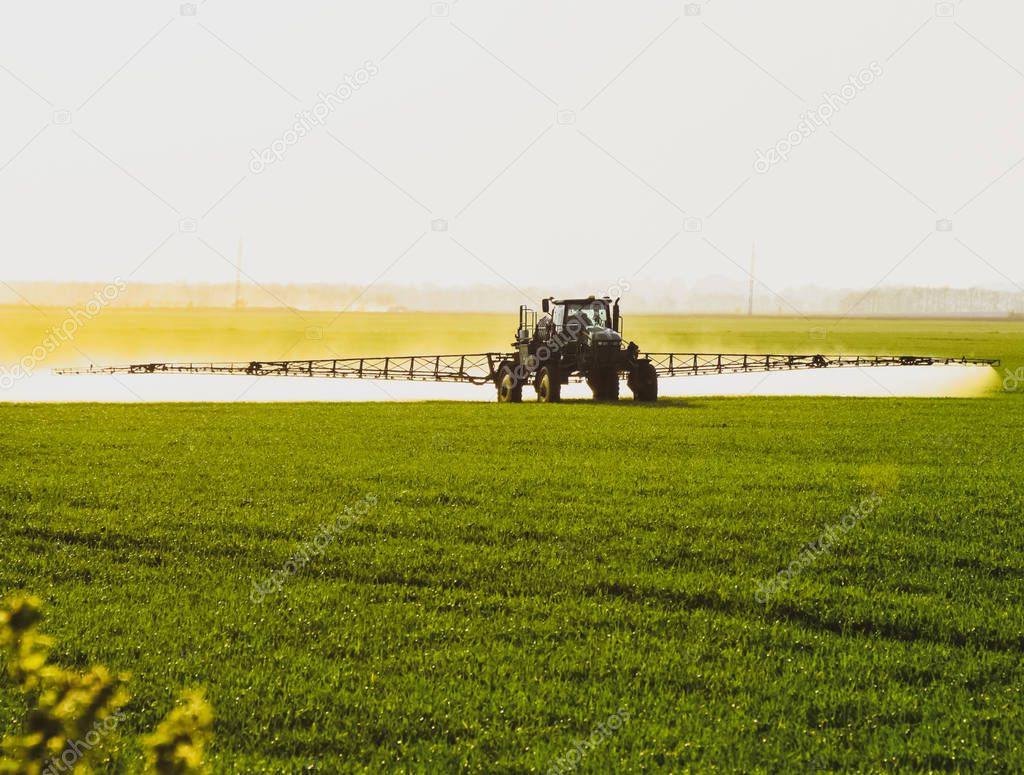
column 643, row 381
column 605, row 385
column 548, row 384
column 510, row 387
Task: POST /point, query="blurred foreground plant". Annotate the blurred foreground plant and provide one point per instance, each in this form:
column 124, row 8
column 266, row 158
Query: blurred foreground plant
column 178, row 745
column 71, row 716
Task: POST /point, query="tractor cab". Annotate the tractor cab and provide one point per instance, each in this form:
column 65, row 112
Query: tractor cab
column 596, row 319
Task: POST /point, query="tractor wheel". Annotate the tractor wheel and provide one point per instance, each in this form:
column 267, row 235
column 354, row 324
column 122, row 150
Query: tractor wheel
column 643, row 381
column 605, row 385
column 548, row 384
column 510, row 387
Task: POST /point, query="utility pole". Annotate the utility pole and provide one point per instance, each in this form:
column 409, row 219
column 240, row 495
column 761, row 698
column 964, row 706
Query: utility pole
column 750, row 283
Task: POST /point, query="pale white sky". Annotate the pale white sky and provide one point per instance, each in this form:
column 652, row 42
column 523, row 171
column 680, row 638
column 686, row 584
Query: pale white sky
column 562, row 142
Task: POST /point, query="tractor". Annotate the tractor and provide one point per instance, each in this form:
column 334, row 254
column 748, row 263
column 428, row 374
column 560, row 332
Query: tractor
column 574, row 339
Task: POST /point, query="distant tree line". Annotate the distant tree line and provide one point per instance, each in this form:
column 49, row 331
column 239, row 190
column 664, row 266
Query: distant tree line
column 715, row 297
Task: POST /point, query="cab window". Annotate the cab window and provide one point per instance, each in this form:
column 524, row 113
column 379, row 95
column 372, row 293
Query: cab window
column 559, row 316
column 592, row 313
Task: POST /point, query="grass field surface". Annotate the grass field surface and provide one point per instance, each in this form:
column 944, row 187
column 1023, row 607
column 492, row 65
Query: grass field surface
column 510, row 578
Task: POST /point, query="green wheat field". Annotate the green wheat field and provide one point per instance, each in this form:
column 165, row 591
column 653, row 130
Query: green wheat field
column 436, row 587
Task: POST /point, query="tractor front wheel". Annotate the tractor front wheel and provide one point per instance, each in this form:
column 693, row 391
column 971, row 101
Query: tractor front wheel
column 548, row 384
column 605, row 385
column 510, row 387
column 643, row 381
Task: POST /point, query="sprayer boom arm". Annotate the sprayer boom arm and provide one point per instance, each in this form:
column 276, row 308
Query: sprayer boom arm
column 475, row 368
column 692, row 364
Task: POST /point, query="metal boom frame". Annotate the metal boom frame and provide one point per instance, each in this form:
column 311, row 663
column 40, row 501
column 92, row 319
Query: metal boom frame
column 483, row 368
column 693, row 364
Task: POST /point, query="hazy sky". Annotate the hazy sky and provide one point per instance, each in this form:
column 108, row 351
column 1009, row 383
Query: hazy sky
column 513, row 141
